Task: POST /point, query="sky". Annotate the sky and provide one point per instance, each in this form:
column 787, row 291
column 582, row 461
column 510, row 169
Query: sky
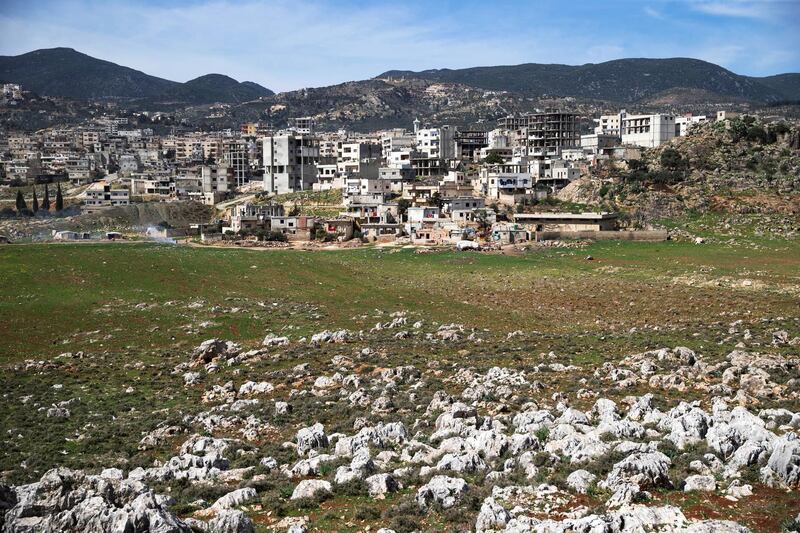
column 291, row 44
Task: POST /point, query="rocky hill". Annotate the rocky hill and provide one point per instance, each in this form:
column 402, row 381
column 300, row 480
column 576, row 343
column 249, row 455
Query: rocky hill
column 742, row 166
column 68, row 73
column 622, row 80
column 374, row 104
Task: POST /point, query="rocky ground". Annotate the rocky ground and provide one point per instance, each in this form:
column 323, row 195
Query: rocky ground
column 361, row 430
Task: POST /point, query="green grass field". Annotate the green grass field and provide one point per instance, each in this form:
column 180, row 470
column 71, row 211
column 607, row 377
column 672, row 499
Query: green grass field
column 52, row 295
column 135, row 310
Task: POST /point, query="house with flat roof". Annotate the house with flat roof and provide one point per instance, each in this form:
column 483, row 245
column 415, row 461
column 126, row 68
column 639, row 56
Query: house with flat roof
column 567, row 221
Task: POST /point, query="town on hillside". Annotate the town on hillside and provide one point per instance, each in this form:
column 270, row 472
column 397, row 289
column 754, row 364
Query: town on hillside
column 430, row 184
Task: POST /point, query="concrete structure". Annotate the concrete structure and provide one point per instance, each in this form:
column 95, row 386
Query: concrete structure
column 302, row 125
column 296, row 228
column 684, row 123
column 598, row 143
column 647, row 131
column 468, row 143
column 341, row 229
column 102, row 195
column 249, row 217
column 358, row 159
column 436, row 143
column 290, row 163
column 609, row 124
column 543, row 134
column 567, row 221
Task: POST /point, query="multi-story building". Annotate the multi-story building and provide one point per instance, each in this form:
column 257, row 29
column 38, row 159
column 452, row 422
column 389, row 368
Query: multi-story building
column 251, row 216
column 103, row 195
column 469, row 142
column 545, row 134
column 235, row 152
column 290, row 163
column 647, row 131
column 358, row 159
column 609, row 124
column 397, row 140
column 436, row 143
column 302, row 125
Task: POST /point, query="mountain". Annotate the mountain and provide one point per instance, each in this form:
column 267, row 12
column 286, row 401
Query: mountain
column 71, row 74
column 621, row 80
column 786, row 84
column 220, row 88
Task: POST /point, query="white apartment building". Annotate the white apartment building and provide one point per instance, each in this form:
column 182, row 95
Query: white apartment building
column 102, row 195
column 609, row 124
column 436, row 142
column 365, row 187
column 358, row 159
column 290, row 163
column 647, row 131
column 397, row 140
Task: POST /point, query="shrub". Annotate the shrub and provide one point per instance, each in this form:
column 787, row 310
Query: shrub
column 367, row 513
column 275, row 236
column 404, row 524
column 671, row 158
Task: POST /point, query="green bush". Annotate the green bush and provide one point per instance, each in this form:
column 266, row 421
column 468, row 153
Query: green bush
column 671, row 159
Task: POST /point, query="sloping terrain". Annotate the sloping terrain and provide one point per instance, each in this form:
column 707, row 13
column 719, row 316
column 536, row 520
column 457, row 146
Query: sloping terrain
column 68, row 73
column 742, row 167
column 653, row 386
column 622, row 80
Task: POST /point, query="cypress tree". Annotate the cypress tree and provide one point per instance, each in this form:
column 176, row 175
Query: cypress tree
column 59, row 199
column 35, row 201
column 46, row 200
column 21, row 202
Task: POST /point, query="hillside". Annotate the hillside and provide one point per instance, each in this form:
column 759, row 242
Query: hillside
column 375, row 104
column 787, row 84
column 745, row 168
column 68, row 73
column 220, row 88
column 622, row 80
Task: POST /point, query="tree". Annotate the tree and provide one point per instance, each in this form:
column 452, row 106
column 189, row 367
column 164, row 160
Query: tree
column 671, row 159
column 436, row 200
column 756, row 133
column 59, row 199
column 35, row 205
column 21, row 202
column 46, row 200
column 402, row 207
column 482, row 218
column 494, row 159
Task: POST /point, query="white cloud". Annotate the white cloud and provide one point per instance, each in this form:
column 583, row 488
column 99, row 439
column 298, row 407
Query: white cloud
column 752, row 9
column 650, row 11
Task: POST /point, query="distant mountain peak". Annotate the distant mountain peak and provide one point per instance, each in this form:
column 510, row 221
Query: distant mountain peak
column 69, row 73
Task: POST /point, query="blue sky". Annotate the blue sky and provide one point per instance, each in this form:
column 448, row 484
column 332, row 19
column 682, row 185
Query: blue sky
column 290, row 44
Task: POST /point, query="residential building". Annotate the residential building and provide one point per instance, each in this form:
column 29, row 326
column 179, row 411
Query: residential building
column 468, row 143
column 436, row 143
column 567, row 221
column 647, row 131
column 249, row 217
column 103, row 195
column 290, row 163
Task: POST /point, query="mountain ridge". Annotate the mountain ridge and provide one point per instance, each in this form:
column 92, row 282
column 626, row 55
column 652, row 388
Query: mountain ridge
column 68, row 73
column 627, row 80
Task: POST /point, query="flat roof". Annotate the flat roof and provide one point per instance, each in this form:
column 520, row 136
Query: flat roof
column 565, row 216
